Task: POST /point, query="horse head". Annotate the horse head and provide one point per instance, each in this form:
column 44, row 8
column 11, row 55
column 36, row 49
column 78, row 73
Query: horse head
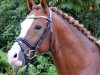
column 35, row 36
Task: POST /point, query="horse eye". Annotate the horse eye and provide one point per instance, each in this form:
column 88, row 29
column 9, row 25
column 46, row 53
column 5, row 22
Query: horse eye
column 38, row 27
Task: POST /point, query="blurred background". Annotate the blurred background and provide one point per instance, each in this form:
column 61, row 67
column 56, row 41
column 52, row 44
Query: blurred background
column 13, row 12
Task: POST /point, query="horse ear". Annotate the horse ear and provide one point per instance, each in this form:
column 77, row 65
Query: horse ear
column 44, row 6
column 30, row 4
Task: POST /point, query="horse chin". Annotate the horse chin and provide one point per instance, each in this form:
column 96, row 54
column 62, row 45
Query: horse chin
column 16, row 63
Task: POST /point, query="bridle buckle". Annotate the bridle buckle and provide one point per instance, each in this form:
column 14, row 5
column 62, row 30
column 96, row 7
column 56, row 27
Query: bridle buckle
column 29, row 54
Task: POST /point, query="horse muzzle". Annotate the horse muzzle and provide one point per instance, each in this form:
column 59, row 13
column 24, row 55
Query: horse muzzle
column 16, row 56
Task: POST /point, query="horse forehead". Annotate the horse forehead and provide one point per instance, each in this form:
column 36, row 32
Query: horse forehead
column 27, row 21
column 25, row 25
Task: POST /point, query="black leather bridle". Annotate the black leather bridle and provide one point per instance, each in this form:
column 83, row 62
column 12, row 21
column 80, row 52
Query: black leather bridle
column 33, row 47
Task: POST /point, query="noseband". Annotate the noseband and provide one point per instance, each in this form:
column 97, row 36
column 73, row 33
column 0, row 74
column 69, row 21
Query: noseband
column 31, row 46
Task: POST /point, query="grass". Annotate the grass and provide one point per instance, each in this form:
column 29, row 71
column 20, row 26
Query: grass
column 98, row 38
column 3, row 74
column 5, row 67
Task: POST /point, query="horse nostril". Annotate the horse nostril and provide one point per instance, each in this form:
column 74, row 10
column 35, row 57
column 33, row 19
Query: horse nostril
column 15, row 55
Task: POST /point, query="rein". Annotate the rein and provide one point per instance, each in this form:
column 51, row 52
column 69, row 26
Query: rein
column 34, row 47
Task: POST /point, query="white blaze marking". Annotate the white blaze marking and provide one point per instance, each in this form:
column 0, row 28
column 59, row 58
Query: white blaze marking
column 25, row 25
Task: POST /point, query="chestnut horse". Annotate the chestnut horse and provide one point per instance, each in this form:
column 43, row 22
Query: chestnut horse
column 74, row 50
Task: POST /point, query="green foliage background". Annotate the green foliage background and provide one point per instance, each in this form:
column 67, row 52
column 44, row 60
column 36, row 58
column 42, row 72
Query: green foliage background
column 13, row 12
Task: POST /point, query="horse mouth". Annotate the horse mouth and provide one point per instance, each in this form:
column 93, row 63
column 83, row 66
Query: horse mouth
column 16, row 63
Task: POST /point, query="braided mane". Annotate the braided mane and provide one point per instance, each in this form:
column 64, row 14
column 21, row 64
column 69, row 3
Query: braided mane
column 76, row 24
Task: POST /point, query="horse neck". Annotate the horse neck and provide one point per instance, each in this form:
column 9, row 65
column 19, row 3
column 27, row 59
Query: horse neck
column 69, row 48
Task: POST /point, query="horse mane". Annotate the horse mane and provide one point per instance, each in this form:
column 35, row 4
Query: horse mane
column 76, row 24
